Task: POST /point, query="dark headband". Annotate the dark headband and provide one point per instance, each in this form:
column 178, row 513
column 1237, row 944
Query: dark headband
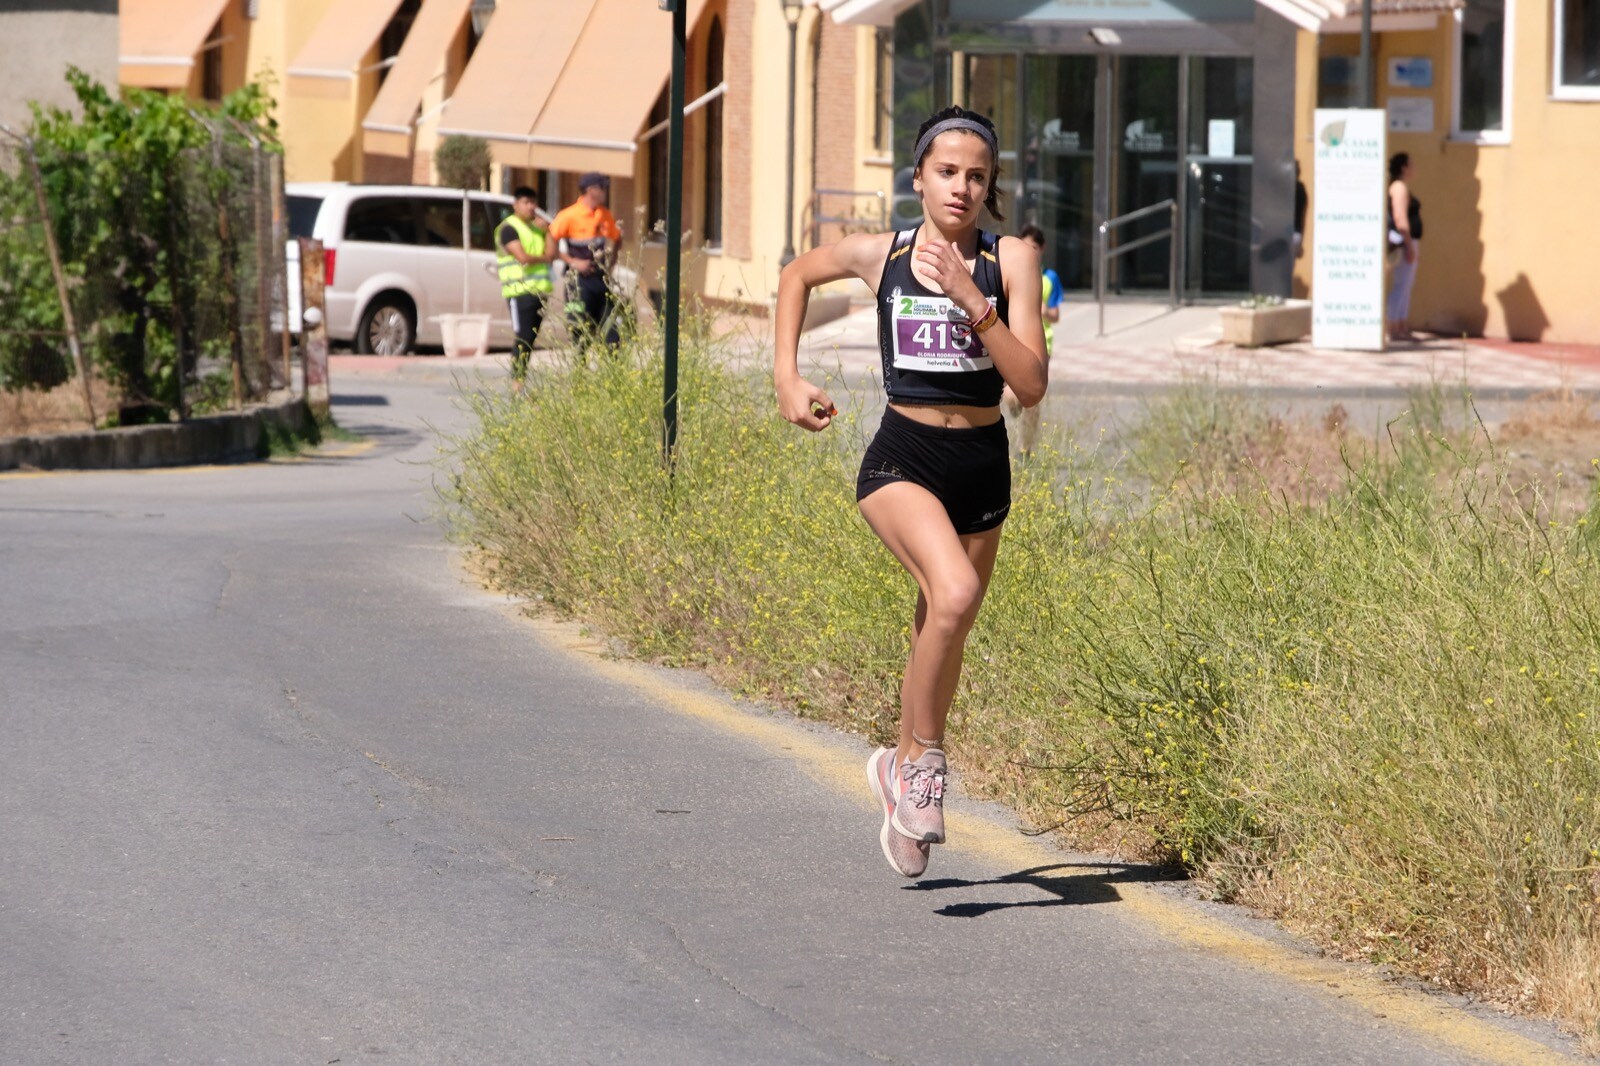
column 970, row 125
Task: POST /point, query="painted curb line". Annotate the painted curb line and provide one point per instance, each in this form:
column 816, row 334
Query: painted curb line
column 1353, row 985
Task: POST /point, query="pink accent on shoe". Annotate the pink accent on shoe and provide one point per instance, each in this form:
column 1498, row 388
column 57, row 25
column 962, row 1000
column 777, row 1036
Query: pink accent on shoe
column 906, row 856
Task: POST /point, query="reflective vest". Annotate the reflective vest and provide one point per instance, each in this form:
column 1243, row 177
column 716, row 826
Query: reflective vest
column 517, row 279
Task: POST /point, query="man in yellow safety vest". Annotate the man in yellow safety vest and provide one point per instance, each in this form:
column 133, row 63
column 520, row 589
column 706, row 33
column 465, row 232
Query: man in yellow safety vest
column 524, row 254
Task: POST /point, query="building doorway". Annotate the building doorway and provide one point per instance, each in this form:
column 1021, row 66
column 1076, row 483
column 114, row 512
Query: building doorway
column 1090, row 137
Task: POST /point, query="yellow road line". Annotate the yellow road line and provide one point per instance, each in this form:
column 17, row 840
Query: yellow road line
column 345, row 451
column 168, row 471
column 1418, row 1012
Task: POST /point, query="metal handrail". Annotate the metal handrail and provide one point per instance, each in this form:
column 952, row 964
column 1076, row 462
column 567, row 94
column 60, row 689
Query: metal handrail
column 818, row 219
column 1105, row 254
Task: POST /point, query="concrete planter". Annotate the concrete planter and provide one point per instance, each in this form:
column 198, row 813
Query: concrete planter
column 1253, row 327
column 464, row 336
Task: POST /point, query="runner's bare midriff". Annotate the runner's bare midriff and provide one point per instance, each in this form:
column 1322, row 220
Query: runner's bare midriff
column 950, row 416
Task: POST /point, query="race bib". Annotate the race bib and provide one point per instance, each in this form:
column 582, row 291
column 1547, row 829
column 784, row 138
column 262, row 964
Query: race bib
column 933, row 335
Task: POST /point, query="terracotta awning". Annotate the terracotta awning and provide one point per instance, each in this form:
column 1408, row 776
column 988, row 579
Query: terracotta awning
column 387, row 128
column 513, row 69
column 330, row 61
column 612, row 79
column 158, row 40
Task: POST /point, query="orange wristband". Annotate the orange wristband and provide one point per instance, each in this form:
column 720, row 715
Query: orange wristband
column 987, row 322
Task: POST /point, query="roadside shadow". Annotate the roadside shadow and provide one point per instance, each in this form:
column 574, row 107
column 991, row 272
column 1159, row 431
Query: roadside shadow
column 387, row 436
column 1096, row 884
column 347, row 399
column 386, row 440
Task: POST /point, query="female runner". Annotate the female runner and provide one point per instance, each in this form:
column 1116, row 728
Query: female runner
column 958, row 319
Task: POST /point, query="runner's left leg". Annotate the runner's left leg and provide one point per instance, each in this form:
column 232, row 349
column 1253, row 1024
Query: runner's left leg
column 952, row 574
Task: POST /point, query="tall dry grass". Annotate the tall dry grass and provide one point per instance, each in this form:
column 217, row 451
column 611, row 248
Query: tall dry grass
column 1353, row 682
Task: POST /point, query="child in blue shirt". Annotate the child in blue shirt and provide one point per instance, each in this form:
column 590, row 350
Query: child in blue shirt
column 1028, row 417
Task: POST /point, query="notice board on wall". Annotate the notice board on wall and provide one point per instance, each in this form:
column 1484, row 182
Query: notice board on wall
column 1348, row 238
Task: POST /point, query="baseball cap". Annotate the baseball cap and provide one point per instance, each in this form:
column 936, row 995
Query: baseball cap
column 593, row 178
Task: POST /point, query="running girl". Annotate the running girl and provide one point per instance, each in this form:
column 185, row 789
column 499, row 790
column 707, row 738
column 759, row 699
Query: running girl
column 958, row 319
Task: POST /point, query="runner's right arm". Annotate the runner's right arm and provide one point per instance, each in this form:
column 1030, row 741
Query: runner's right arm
column 859, row 255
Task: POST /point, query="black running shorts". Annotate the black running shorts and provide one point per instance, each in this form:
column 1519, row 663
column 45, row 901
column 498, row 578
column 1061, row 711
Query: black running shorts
column 967, row 469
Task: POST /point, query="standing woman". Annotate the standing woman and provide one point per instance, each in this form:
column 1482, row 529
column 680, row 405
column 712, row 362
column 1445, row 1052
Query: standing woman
column 1405, row 232
column 958, row 319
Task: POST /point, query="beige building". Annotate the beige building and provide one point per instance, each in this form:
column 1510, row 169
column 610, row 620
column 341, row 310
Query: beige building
column 367, row 89
column 1204, row 102
column 1498, row 104
column 1108, row 109
column 39, row 40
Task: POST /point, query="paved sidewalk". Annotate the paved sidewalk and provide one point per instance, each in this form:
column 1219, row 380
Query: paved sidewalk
column 1146, row 345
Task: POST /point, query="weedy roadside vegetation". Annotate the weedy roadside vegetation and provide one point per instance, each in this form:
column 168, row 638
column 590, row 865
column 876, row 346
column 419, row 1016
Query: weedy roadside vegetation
column 1351, row 680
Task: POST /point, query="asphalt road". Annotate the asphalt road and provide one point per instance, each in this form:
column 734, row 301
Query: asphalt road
column 279, row 785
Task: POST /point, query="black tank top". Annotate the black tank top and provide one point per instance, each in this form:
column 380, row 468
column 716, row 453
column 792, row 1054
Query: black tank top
column 930, row 353
column 1413, row 216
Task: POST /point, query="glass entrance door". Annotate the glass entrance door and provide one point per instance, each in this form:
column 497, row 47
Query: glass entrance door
column 1087, row 138
column 1056, row 182
column 1217, row 186
column 1144, row 164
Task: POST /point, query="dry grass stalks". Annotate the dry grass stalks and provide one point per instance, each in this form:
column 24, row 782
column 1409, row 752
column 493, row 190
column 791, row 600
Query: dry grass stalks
column 60, row 410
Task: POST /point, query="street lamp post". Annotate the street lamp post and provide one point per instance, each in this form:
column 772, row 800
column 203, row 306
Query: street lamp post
column 791, row 15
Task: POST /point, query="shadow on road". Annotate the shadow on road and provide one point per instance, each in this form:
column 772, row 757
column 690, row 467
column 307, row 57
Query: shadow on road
column 359, row 400
column 1064, row 890
column 387, row 441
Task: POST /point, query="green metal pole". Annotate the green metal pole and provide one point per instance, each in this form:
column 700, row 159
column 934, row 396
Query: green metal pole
column 674, row 228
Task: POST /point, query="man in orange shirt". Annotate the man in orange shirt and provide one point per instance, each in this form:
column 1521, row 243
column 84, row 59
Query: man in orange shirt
column 588, row 236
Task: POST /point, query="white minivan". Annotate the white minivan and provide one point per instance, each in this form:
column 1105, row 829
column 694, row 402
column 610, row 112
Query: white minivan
column 394, row 261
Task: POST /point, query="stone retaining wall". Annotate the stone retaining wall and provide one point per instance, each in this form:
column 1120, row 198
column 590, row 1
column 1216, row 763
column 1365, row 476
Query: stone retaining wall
column 225, row 438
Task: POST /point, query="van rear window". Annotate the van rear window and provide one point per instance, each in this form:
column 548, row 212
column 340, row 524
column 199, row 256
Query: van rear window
column 381, row 220
column 303, row 215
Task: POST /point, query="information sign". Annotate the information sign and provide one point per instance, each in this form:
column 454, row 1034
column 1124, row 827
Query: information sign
column 1410, row 114
column 1348, row 235
column 1219, row 138
column 1411, row 72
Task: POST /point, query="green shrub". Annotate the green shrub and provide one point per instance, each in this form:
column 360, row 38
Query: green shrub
column 32, row 363
column 126, row 177
column 463, row 162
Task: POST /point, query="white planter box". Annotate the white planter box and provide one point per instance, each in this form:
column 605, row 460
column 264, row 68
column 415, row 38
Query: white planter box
column 1253, row 327
column 464, row 335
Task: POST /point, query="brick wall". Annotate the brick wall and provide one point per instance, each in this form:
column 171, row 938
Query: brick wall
column 386, row 169
column 421, row 167
column 738, row 127
column 834, row 161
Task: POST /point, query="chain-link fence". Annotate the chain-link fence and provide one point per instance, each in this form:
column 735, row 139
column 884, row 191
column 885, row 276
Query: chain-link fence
column 140, row 297
column 41, row 387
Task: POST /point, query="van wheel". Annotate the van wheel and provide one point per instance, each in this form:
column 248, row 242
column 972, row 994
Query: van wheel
column 388, row 327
